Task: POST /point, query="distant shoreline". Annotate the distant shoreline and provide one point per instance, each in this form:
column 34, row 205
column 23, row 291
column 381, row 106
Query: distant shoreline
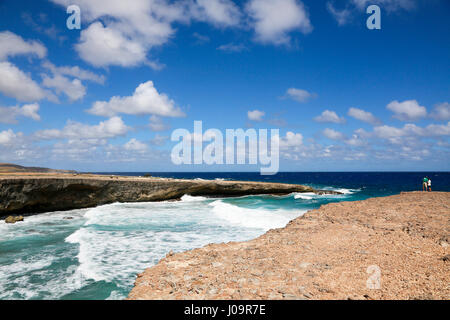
column 32, row 193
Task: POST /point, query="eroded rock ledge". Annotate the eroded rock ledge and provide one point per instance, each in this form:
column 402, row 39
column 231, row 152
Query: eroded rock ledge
column 34, row 193
column 323, row 255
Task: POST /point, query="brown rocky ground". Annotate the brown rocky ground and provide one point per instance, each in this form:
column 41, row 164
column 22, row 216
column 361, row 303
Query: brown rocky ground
column 323, row 255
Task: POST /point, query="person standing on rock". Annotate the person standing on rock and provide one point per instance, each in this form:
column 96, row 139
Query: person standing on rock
column 425, row 184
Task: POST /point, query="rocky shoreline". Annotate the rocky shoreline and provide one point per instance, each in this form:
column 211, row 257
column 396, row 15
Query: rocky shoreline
column 34, row 193
column 396, row 247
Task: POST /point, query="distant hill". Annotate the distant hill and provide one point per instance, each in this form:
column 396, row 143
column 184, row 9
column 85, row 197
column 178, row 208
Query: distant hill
column 13, row 168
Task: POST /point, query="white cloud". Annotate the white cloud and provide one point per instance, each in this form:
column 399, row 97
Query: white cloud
column 156, row 124
column 217, row 12
column 329, row 116
column 441, row 112
column 159, row 140
column 411, row 130
column 135, row 145
column 231, row 47
column 122, row 34
column 256, row 115
column 16, row 84
column 364, row 116
column 103, row 46
column 145, row 100
column 291, row 140
column 342, row 16
column 299, row 95
column 73, row 89
column 273, row 20
column 75, row 71
column 12, row 44
column 110, row 128
column 333, row 134
column 438, row 129
column 389, row 5
column 357, row 139
column 8, row 137
column 10, row 114
column 409, row 110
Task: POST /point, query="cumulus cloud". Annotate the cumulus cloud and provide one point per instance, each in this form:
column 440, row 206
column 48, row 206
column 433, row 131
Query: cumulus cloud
column 75, row 72
column 333, row 134
column 273, row 20
column 12, row 45
column 16, row 84
column 10, row 114
column 216, row 12
column 291, row 140
column 299, row 95
column 408, row 110
column 103, row 46
column 135, row 145
column 411, row 130
column 156, row 124
column 256, row 115
column 122, row 34
column 364, row 116
column 8, row 137
column 73, row 89
column 110, row 128
column 145, row 100
column 329, row 116
column 441, row 111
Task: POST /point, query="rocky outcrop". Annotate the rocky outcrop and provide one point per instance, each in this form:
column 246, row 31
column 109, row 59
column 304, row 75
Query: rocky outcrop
column 14, row 168
column 44, row 193
column 13, row 219
column 382, row 248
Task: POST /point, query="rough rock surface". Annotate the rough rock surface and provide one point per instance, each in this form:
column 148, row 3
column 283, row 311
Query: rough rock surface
column 34, row 193
column 326, row 254
column 13, row 219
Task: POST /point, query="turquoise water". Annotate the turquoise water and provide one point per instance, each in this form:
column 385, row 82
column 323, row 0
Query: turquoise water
column 96, row 253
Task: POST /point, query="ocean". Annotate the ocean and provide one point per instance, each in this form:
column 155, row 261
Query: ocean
column 96, row 253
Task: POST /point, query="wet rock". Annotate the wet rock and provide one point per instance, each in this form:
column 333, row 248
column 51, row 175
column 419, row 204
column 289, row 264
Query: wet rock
column 13, row 219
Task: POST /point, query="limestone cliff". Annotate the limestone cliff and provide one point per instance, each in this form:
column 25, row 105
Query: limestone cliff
column 43, row 193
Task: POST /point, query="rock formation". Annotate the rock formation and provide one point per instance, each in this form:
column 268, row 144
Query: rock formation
column 382, row 248
column 49, row 192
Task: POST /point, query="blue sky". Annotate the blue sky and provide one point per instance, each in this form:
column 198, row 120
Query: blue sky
column 108, row 96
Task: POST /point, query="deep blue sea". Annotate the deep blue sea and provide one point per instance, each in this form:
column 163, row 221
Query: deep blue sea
column 96, row 253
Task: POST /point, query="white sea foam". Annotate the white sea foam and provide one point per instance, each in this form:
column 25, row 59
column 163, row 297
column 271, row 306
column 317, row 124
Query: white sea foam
column 189, row 198
column 114, row 242
column 305, row 196
column 344, row 191
column 253, row 218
